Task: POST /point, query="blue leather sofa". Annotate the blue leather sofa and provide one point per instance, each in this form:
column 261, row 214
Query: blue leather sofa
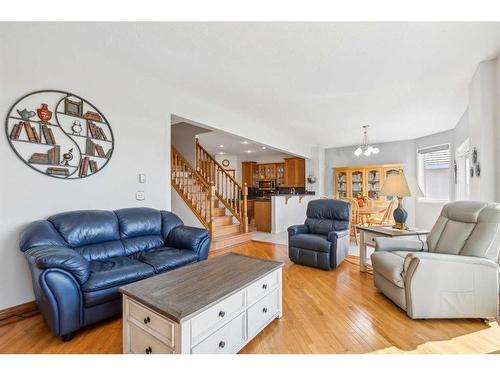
column 323, row 240
column 79, row 259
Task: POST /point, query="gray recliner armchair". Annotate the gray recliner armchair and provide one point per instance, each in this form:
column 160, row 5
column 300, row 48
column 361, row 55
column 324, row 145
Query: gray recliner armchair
column 453, row 274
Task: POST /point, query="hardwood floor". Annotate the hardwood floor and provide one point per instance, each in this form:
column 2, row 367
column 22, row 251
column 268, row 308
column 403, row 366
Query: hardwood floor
column 337, row 311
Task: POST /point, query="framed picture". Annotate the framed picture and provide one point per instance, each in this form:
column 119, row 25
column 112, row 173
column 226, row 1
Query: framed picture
column 73, row 108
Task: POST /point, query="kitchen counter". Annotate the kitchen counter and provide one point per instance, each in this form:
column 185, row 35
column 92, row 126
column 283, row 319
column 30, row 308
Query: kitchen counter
column 288, row 209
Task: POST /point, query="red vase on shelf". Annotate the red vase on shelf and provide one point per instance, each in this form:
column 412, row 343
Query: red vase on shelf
column 44, row 114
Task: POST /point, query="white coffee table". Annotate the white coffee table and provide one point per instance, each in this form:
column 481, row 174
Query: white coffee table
column 210, row 307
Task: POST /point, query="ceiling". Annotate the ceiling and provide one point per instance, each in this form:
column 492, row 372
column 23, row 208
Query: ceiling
column 212, row 140
column 234, row 145
column 319, row 81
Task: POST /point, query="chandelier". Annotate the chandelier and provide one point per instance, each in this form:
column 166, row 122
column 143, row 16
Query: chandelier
column 365, row 148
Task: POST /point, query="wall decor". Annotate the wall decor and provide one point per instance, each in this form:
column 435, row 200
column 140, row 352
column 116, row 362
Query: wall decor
column 225, row 163
column 474, row 155
column 455, row 171
column 61, row 141
column 73, row 108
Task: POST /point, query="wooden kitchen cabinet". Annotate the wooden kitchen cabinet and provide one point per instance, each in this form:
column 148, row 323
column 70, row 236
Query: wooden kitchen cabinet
column 295, row 172
column 248, row 173
column 263, row 215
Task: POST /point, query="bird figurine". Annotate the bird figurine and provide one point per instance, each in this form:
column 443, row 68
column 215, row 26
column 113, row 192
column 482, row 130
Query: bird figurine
column 25, row 114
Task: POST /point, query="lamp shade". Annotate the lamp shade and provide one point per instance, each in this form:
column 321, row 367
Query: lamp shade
column 398, row 185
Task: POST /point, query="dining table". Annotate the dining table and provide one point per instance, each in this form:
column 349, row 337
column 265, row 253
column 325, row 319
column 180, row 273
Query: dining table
column 365, row 212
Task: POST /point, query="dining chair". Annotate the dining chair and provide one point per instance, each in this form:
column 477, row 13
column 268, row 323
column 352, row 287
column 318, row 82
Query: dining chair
column 354, row 217
column 386, row 217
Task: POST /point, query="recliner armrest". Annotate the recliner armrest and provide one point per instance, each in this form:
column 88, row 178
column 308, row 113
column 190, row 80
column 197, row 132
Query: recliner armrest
column 60, row 257
column 298, row 229
column 336, row 234
column 185, row 237
column 446, row 258
column 396, row 244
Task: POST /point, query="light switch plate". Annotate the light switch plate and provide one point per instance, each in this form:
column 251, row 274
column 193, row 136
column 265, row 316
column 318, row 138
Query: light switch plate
column 142, row 178
column 140, row 195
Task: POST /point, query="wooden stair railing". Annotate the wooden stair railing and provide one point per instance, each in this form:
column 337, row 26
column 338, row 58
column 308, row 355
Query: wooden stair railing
column 227, row 189
column 198, row 194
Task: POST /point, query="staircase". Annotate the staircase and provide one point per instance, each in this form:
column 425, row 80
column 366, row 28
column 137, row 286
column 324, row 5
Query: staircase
column 216, row 199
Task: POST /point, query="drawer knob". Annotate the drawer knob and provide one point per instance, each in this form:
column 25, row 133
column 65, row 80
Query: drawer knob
column 264, row 286
column 264, row 310
column 147, row 320
column 222, row 314
column 149, row 350
column 222, row 344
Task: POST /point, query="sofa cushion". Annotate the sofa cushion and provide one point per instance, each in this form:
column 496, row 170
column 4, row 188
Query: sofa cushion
column 142, row 243
column 316, row 242
column 102, row 250
column 167, row 258
column 40, row 233
column 79, row 228
column 111, row 272
column 390, row 265
column 139, row 221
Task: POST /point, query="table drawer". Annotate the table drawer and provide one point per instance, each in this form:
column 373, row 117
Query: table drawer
column 147, row 318
column 262, row 286
column 216, row 316
column 141, row 342
column 262, row 312
column 370, row 239
column 226, row 340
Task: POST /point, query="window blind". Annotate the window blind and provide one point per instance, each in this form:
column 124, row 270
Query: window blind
column 436, row 157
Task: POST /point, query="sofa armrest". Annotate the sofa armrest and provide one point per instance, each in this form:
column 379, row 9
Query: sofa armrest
column 61, row 257
column 336, row 234
column 185, row 237
column 450, row 286
column 297, row 229
column 397, row 244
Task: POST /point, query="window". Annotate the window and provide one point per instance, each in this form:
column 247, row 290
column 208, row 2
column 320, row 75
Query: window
column 434, row 172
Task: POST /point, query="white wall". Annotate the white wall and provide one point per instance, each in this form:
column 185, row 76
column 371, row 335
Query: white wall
column 138, row 107
column 234, row 163
column 483, row 129
column 183, row 137
column 182, row 210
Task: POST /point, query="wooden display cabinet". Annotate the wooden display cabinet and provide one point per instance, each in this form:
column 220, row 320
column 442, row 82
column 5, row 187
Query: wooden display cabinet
column 355, row 181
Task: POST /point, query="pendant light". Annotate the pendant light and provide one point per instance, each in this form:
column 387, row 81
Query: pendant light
column 365, row 148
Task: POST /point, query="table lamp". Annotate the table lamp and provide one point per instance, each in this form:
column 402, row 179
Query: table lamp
column 397, row 185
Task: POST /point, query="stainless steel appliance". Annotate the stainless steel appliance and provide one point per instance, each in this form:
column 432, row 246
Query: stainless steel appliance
column 267, row 185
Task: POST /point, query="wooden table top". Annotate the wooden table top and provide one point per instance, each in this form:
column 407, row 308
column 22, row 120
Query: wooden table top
column 181, row 293
column 388, row 230
column 371, row 210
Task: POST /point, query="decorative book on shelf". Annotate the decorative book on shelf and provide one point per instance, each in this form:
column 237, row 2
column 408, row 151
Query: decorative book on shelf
column 45, row 130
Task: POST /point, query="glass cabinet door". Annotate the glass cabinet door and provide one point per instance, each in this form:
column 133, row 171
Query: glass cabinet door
column 341, row 184
column 357, row 182
column 280, row 174
column 374, row 183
